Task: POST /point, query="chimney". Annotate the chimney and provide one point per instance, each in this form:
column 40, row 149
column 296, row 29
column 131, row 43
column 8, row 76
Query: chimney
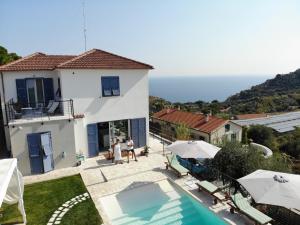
column 206, row 117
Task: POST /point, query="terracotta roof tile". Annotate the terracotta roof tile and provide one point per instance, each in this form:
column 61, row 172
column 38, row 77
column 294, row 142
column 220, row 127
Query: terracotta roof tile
column 93, row 59
column 36, row 61
column 192, row 120
column 98, row 59
column 250, row 116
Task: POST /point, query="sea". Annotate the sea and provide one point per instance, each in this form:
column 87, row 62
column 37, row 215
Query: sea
column 206, row 88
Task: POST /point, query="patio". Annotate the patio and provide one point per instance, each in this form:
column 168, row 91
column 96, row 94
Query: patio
column 102, row 177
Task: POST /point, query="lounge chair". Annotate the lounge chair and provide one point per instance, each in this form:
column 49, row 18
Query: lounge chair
column 213, row 190
column 14, row 113
column 53, row 108
column 242, row 205
column 175, row 165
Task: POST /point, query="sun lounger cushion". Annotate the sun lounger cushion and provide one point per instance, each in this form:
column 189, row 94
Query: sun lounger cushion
column 243, row 205
column 172, row 160
column 211, row 188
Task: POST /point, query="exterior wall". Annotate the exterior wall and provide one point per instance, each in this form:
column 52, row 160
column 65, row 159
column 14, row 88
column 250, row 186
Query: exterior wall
column 63, row 140
column 9, row 80
column 84, row 87
column 80, row 137
column 218, row 135
column 200, row 135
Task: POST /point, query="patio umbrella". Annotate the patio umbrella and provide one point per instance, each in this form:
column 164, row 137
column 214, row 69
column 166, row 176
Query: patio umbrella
column 193, row 149
column 273, row 188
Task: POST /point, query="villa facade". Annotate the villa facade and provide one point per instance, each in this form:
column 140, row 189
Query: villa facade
column 57, row 107
column 202, row 127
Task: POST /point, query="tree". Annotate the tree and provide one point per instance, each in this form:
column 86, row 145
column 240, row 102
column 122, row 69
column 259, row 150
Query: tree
column 291, row 144
column 182, row 132
column 236, row 160
column 262, row 135
column 6, row 57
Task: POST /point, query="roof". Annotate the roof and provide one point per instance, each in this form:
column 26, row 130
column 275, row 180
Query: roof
column 36, row 61
column 192, row 120
column 250, row 116
column 281, row 123
column 93, row 59
column 98, row 59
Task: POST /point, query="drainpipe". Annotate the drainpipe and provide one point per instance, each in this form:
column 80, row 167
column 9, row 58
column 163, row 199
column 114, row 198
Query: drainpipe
column 3, row 92
column 2, row 113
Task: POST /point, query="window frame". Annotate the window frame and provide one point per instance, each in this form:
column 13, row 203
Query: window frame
column 227, row 127
column 110, row 86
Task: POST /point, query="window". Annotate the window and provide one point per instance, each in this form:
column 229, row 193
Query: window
column 110, row 86
column 34, row 92
column 233, row 137
column 227, row 127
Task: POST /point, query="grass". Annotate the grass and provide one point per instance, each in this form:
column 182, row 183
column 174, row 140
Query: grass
column 42, row 199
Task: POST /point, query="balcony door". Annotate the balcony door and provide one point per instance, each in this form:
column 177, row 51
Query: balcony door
column 35, row 92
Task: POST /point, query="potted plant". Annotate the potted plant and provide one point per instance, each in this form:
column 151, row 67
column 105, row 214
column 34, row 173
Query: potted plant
column 146, row 150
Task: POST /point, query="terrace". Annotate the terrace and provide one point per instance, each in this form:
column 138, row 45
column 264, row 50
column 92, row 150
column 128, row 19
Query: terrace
column 102, row 178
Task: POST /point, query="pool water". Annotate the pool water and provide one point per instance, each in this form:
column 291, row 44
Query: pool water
column 158, row 204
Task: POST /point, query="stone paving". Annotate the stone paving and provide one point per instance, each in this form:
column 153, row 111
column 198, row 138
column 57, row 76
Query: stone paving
column 57, row 216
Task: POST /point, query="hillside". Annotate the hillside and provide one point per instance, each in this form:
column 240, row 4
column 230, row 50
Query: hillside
column 281, row 93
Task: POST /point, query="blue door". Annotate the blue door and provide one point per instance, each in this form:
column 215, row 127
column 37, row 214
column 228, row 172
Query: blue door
column 142, row 132
column 93, row 143
column 35, row 153
column 47, row 151
column 138, row 132
column 134, row 132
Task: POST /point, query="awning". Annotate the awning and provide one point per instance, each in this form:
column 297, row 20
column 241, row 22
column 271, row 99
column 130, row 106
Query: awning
column 11, row 185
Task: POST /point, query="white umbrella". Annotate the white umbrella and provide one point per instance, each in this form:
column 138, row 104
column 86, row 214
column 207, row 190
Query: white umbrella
column 273, row 188
column 193, row 149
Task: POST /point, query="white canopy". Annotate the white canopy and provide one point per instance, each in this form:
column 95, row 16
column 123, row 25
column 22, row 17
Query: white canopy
column 193, row 149
column 11, row 185
column 273, row 188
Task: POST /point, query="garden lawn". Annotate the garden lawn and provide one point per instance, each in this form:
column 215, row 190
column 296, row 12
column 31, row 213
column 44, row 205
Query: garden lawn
column 42, row 199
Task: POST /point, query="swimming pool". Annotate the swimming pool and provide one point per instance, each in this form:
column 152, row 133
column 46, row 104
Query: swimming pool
column 158, row 204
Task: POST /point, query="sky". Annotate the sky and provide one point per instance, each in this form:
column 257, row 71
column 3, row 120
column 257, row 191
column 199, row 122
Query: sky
column 190, row 37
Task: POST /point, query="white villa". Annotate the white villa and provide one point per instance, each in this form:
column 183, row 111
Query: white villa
column 56, row 107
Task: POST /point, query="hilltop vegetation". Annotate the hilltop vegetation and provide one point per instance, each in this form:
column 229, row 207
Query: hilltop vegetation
column 279, row 94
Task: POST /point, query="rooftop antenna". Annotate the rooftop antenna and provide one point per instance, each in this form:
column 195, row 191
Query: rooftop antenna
column 84, row 23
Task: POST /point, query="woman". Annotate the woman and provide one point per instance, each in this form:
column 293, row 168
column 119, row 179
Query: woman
column 117, row 152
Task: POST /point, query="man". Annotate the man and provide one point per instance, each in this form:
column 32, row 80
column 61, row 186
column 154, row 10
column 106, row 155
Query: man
column 130, row 148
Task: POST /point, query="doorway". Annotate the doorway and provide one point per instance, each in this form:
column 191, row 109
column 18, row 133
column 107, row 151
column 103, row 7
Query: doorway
column 40, row 152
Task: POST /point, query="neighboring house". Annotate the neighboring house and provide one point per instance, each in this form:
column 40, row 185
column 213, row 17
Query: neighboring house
column 57, row 107
column 203, row 127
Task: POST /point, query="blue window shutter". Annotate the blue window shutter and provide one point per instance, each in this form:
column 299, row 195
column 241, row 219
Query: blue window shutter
column 134, row 132
column 115, row 86
column 21, row 91
column 48, row 90
column 35, row 156
column 93, row 144
column 46, row 144
column 142, row 132
column 106, row 87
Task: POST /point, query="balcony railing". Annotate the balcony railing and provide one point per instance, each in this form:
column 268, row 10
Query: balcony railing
column 16, row 111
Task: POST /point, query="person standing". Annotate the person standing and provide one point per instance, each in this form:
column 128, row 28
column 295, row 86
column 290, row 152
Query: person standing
column 117, row 152
column 130, row 148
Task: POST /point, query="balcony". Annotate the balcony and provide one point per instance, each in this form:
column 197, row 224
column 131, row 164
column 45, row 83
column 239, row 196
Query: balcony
column 34, row 112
